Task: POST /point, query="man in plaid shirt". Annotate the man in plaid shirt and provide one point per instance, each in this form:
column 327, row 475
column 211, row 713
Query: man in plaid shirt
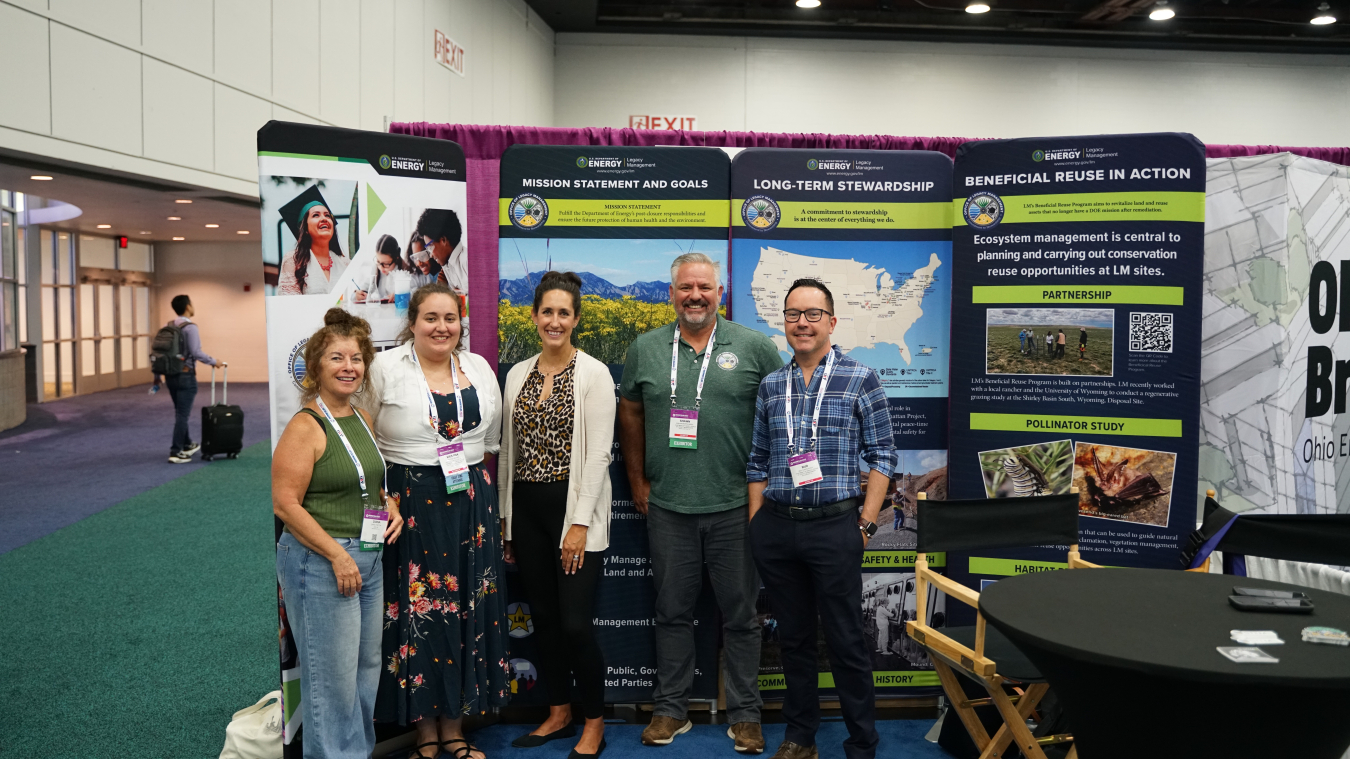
column 814, row 419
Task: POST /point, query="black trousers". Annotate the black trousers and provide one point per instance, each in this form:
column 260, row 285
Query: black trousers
column 561, row 605
column 813, row 570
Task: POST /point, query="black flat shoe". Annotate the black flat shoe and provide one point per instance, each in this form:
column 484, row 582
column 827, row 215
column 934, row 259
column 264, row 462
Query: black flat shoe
column 534, row 741
column 578, row 755
column 417, row 752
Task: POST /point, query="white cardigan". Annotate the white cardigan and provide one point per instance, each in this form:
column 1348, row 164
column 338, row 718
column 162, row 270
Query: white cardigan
column 588, row 490
column 394, row 398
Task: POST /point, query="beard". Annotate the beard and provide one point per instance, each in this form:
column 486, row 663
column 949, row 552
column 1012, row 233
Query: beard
column 696, row 321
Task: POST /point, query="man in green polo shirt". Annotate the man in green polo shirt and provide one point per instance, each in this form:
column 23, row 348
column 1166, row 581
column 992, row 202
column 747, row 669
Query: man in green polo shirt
column 686, row 457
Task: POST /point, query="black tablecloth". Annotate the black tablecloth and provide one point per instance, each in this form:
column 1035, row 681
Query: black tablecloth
column 1131, row 653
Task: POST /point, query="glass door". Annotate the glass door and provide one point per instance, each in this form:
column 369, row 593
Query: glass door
column 114, row 310
column 58, row 311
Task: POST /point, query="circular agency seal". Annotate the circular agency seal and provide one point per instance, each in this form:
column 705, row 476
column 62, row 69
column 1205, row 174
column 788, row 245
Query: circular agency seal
column 760, row 213
column 295, row 363
column 528, row 211
column 983, row 210
column 384, row 161
column 812, row 164
column 727, row 360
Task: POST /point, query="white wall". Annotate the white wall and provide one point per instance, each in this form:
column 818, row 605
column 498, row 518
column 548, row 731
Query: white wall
column 951, row 90
column 177, row 89
column 233, row 323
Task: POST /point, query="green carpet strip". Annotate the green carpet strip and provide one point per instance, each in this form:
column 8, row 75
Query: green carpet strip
column 138, row 631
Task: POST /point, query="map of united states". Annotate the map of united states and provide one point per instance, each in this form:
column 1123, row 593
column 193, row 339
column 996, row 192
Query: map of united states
column 869, row 306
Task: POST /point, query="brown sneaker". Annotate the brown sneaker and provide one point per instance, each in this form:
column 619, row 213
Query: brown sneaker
column 790, row 750
column 749, row 739
column 663, row 730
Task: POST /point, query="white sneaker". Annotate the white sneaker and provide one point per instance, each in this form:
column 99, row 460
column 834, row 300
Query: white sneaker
column 191, row 449
column 180, row 458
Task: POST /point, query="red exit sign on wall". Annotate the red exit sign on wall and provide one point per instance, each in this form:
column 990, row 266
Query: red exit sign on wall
column 448, row 53
column 671, row 123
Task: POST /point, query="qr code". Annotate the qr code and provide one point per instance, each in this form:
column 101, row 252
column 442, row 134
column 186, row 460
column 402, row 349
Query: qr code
column 1150, row 333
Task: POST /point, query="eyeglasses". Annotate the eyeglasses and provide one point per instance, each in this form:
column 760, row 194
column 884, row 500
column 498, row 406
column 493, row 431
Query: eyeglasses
column 811, row 314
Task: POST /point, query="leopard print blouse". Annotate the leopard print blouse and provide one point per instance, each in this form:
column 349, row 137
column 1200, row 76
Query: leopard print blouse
column 544, row 430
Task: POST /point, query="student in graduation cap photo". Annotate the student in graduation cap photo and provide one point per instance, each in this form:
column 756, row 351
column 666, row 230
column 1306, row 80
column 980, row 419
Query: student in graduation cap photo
column 317, row 261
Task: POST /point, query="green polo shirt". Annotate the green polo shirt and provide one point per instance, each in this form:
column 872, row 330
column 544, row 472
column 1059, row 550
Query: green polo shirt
column 709, row 478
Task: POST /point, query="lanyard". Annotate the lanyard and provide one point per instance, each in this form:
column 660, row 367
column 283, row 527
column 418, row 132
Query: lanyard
column 431, row 399
column 360, row 471
column 674, row 364
column 815, row 416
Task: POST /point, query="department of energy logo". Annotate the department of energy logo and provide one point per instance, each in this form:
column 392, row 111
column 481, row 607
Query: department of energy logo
column 384, row 162
column 983, row 210
column 581, row 162
column 760, row 213
column 728, row 360
column 521, row 623
column 528, row 211
column 813, row 164
column 295, row 363
column 1038, row 156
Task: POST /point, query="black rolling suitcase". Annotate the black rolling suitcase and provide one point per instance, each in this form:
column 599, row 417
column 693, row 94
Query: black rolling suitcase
column 222, row 424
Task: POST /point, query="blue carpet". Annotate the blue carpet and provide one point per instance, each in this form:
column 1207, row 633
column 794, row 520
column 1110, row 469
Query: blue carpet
column 900, row 739
column 78, row 456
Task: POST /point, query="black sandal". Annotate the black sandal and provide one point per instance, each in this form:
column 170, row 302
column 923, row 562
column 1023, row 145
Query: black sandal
column 466, row 752
column 417, row 752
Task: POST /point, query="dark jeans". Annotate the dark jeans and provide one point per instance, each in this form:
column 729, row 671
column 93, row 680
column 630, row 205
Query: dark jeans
column 679, row 546
column 561, row 605
column 812, row 570
column 183, row 391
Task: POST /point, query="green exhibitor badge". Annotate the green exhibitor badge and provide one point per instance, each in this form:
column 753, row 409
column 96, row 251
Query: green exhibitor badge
column 1145, row 295
column 1096, row 425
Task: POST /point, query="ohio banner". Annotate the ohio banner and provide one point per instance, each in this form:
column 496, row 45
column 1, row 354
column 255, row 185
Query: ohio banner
column 1077, row 323
column 875, row 227
column 345, row 216
column 616, row 216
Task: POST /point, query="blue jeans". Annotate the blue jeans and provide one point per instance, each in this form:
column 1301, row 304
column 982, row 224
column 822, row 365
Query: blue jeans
column 338, row 640
column 183, row 391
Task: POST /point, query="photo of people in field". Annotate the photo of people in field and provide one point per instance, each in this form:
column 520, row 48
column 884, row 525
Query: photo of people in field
column 1049, row 341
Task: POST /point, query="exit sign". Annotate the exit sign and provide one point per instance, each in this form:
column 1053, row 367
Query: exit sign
column 664, row 123
column 448, row 53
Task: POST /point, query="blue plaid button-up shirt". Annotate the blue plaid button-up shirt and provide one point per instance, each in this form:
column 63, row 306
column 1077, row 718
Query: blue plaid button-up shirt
column 855, row 422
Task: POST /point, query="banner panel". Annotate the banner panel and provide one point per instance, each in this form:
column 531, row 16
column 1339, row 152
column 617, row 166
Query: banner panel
column 875, row 227
column 1077, row 321
column 347, row 216
column 617, row 218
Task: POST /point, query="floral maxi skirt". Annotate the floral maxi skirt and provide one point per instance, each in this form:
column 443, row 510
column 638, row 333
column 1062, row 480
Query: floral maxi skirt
column 445, row 644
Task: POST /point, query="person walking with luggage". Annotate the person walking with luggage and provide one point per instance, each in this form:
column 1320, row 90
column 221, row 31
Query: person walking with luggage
column 326, row 489
column 176, row 349
column 557, row 432
column 437, row 419
column 686, row 411
column 814, row 420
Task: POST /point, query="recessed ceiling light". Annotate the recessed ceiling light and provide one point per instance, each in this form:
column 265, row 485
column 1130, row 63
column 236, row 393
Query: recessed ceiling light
column 1161, row 12
column 977, row 8
column 181, row 200
column 105, row 226
column 41, row 178
column 145, row 231
column 212, row 226
column 242, row 232
column 175, row 218
column 808, row 3
column 1323, row 16
column 180, row 238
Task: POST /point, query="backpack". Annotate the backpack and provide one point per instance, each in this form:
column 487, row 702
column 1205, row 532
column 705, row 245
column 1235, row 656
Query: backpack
column 166, row 351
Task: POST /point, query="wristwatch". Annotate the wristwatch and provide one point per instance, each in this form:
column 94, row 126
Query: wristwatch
column 868, row 528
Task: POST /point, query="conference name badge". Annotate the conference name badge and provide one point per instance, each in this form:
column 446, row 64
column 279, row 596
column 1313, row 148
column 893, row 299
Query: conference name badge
column 805, row 469
column 372, row 529
column 454, row 467
column 683, row 428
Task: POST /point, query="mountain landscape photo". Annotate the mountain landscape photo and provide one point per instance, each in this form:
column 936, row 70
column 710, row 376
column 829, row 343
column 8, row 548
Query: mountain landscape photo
column 517, row 291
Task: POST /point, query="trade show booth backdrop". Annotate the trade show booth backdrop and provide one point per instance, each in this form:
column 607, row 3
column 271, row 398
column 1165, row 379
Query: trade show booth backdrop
column 375, row 184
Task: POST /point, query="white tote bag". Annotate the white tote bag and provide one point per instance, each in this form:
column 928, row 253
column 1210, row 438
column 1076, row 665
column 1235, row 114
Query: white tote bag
column 255, row 732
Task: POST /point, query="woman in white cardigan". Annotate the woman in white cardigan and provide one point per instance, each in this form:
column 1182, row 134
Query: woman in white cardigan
column 437, row 420
column 557, row 432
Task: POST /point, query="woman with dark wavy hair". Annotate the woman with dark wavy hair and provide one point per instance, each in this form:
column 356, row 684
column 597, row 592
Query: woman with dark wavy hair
column 316, row 244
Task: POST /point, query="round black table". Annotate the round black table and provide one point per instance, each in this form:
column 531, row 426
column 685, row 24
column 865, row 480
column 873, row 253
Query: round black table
column 1131, row 653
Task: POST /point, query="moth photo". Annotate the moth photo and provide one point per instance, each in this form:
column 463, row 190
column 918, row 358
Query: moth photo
column 1027, row 470
column 1126, row 484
